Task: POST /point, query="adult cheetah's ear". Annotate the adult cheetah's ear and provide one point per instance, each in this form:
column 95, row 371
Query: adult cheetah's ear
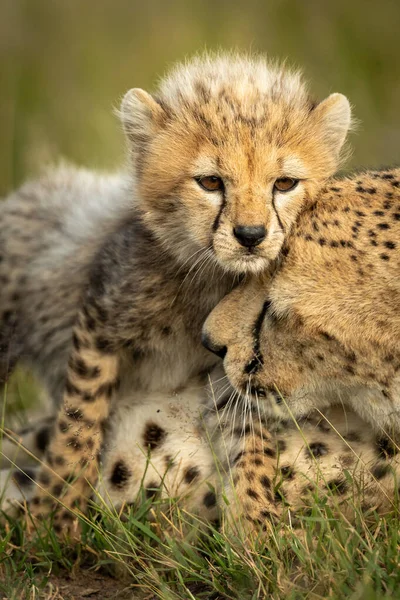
column 141, row 115
column 333, row 117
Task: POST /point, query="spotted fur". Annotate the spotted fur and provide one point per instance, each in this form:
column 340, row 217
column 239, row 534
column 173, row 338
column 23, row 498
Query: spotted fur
column 106, row 281
column 196, row 448
column 325, row 328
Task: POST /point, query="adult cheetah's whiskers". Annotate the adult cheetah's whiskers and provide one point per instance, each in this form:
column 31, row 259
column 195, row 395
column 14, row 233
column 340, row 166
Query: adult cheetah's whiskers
column 235, row 408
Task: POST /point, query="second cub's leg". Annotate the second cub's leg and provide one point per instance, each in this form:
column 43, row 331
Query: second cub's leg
column 70, row 467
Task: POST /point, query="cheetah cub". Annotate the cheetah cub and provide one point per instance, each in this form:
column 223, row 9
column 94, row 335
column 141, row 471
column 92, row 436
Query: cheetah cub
column 106, row 281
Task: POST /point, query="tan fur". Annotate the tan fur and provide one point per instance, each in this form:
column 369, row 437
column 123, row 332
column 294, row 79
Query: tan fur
column 325, row 328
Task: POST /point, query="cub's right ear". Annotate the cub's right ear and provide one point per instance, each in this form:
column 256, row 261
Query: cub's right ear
column 141, row 116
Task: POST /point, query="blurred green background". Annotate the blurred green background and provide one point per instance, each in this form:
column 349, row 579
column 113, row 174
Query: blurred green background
column 64, row 65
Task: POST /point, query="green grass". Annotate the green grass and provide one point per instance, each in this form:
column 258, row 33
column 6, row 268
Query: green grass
column 156, row 550
column 172, row 557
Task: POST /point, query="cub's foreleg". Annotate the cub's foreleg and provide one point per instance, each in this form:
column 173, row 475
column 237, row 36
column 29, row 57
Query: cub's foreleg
column 70, row 467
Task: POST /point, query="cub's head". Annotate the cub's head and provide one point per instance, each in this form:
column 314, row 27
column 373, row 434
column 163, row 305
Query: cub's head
column 226, row 154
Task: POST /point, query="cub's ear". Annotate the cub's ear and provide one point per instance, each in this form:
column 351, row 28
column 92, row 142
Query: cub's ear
column 333, row 116
column 141, row 115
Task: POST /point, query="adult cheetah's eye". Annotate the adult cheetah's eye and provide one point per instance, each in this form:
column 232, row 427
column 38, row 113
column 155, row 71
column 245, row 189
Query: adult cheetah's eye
column 210, row 183
column 285, row 184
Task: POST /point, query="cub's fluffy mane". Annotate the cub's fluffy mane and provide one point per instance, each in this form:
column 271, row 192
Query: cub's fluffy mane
column 232, row 75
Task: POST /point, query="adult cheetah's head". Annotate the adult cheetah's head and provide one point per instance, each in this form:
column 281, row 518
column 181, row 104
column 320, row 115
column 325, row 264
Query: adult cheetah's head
column 226, row 154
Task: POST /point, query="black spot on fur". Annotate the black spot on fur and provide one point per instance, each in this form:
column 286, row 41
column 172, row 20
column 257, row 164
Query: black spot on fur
column 266, row 514
column 63, row 426
column 384, row 256
column 24, row 478
column 209, row 500
column 379, row 213
column 288, row 472
column 281, row 445
column 75, row 414
column 316, row 449
column 152, row 490
column 243, row 431
column 76, row 342
column 44, row 478
column 253, row 494
column 104, row 345
column 238, row 457
column 66, row 515
column 379, row 471
column 120, row 474
column 386, row 448
column 78, row 365
column 327, row 337
column 59, row 460
column 383, row 226
column 74, row 442
column 43, row 438
column 265, row 482
column 352, row 436
column 269, row 452
column 347, row 460
column 57, row 489
column 154, row 435
column 191, row 474
column 337, row 486
column 390, row 245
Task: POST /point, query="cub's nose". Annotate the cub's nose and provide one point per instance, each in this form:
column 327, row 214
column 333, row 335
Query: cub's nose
column 249, row 235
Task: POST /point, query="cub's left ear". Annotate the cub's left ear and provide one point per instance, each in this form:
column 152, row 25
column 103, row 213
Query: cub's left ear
column 333, row 116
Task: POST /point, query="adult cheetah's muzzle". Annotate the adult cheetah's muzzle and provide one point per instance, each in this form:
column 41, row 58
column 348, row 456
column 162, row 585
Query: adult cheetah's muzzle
column 212, row 347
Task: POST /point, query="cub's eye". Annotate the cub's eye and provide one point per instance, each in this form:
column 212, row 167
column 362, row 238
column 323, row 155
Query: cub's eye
column 285, row 184
column 211, row 183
